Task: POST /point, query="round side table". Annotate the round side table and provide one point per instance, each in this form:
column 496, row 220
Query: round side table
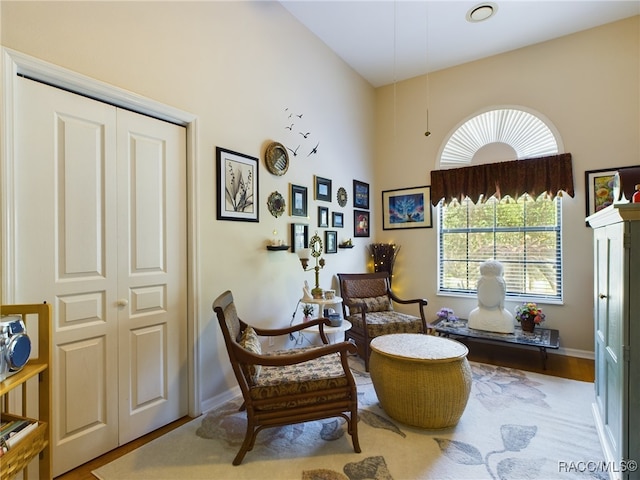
column 421, row 380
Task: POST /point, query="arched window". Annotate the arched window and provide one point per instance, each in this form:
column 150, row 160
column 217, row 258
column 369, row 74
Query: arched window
column 524, row 234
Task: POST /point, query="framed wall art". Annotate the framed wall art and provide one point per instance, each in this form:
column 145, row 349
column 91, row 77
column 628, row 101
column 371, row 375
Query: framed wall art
column 323, row 217
column 360, row 194
column 360, row 223
column 599, row 189
column 406, row 208
column 299, row 236
column 323, row 189
column 237, row 196
column 337, row 220
column 330, row 241
column 298, row 200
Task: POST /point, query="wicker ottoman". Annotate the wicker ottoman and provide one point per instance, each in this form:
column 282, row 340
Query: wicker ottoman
column 421, row 380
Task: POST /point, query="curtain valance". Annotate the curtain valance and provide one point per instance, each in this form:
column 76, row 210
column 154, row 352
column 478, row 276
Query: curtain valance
column 514, row 178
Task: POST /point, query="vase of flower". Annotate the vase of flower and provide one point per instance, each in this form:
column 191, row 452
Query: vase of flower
column 529, row 315
column 527, row 324
column 307, row 311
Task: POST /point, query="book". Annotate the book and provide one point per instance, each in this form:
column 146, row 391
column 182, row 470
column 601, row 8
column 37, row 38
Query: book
column 13, row 428
column 16, row 437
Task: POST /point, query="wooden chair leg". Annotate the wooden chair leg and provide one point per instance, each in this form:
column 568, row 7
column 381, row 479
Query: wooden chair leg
column 246, row 445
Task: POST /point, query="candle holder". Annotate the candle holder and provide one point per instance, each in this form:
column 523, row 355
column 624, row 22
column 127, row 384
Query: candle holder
column 315, row 251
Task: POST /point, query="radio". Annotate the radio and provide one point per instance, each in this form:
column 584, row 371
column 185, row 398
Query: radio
column 15, row 345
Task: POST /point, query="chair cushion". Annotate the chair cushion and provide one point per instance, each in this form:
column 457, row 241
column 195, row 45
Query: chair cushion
column 315, row 375
column 385, row 323
column 374, row 304
column 250, row 342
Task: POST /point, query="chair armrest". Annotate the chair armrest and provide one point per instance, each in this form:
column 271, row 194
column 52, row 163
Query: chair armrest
column 246, row 357
column 274, row 332
column 422, row 301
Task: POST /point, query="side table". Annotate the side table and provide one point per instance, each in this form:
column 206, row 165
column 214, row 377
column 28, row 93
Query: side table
column 421, row 380
column 334, row 334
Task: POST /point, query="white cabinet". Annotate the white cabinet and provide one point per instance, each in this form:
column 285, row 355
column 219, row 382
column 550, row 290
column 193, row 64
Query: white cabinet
column 617, row 334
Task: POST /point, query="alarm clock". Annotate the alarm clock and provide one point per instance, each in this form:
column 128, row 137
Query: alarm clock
column 15, row 345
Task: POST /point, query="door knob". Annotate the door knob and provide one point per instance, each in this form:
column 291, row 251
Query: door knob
column 123, row 302
column 602, row 295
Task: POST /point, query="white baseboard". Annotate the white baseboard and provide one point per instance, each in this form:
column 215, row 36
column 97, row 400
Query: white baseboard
column 219, row 400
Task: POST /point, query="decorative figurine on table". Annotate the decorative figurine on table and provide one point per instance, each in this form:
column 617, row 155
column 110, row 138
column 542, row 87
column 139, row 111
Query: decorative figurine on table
column 490, row 314
column 306, row 292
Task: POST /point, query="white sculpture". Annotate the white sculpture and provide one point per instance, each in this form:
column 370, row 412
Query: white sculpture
column 490, row 315
column 306, row 292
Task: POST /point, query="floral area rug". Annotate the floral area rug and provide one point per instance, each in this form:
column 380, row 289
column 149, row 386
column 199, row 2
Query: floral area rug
column 517, row 425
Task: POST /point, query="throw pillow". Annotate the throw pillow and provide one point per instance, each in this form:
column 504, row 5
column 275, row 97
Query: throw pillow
column 250, row 342
column 374, row 304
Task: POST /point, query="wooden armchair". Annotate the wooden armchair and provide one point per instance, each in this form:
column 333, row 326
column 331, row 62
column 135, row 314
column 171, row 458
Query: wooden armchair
column 368, row 305
column 288, row 386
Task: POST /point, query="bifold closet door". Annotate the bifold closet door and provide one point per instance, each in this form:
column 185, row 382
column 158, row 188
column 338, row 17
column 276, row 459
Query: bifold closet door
column 100, row 233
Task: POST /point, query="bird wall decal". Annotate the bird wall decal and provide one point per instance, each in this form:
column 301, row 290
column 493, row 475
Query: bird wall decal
column 289, row 128
column 305, row 135
column 314, row 151
column 295, row 152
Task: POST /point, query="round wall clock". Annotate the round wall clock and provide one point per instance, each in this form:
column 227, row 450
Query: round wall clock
column 342, row 197
column 276, row 158
column 276, row 204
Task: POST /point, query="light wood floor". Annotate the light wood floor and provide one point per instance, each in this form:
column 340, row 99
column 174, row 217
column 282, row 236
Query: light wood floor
column 523, row 359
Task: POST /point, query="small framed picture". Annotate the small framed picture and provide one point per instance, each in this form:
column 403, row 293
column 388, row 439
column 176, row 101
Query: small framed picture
column 299, row 236
column 323, row 217
column 406, row 208
column 323, row 189
column 237, row 186
column 298, row 201
column 360, row 223
column 337, row 220
column 360, row 194
column 330, row 241
column 599, row 189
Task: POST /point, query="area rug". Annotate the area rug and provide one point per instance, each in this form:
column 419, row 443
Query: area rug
column 517, row 425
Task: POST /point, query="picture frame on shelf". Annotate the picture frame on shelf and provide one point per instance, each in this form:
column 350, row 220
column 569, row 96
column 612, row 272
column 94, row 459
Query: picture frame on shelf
column 330, row 241
column 360, row 194
column 361, row 222
column 299, row 236
column 599, row 189
column 237, row 195
column 298, row 201
column 323, row 217
column 407, row 208
column 323, row 189
column 337, row 219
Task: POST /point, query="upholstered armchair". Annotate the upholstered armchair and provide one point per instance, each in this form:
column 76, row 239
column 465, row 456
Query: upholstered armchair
column 368, row 305
column 287, row 386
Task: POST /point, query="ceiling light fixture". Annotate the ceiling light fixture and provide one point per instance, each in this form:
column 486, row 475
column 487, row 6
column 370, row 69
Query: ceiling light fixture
column 482, row 12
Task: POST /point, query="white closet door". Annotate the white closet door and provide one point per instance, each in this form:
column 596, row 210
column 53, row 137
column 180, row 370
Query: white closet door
column 151, row 273
column 102, row 239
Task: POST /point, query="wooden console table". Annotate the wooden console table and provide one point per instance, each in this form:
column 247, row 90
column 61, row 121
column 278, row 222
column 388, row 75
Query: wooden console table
column 541, row 338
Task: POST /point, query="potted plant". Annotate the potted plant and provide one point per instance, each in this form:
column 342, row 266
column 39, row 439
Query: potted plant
column 529, row 315
column 307, row 311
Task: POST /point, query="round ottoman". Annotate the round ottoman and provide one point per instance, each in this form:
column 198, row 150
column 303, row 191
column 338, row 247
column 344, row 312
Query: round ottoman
column 421, row 380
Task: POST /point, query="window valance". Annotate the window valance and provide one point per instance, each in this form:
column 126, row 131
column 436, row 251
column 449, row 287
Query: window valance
column 534, row 176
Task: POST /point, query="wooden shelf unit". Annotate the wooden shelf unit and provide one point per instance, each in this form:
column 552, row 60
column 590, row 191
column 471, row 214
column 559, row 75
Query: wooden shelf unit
column 37, row 442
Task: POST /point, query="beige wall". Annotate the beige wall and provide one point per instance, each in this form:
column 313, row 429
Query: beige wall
column 586, row 84
column 237, row 65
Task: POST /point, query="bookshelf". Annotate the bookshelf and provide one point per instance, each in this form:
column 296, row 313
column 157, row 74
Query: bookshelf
column 38, row 441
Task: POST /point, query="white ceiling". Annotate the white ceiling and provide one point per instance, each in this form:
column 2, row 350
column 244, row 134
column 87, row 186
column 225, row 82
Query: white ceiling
column 387, row 41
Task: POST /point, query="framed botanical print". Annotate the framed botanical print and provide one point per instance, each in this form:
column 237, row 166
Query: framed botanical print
column 323, row 189
column 330, row 241
column 298, row 201
column 237, row 186
column 360, row 194
column 299, row 236
column 406, row 208
column 360, row 223
column 323, row 217
column 337, row 220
